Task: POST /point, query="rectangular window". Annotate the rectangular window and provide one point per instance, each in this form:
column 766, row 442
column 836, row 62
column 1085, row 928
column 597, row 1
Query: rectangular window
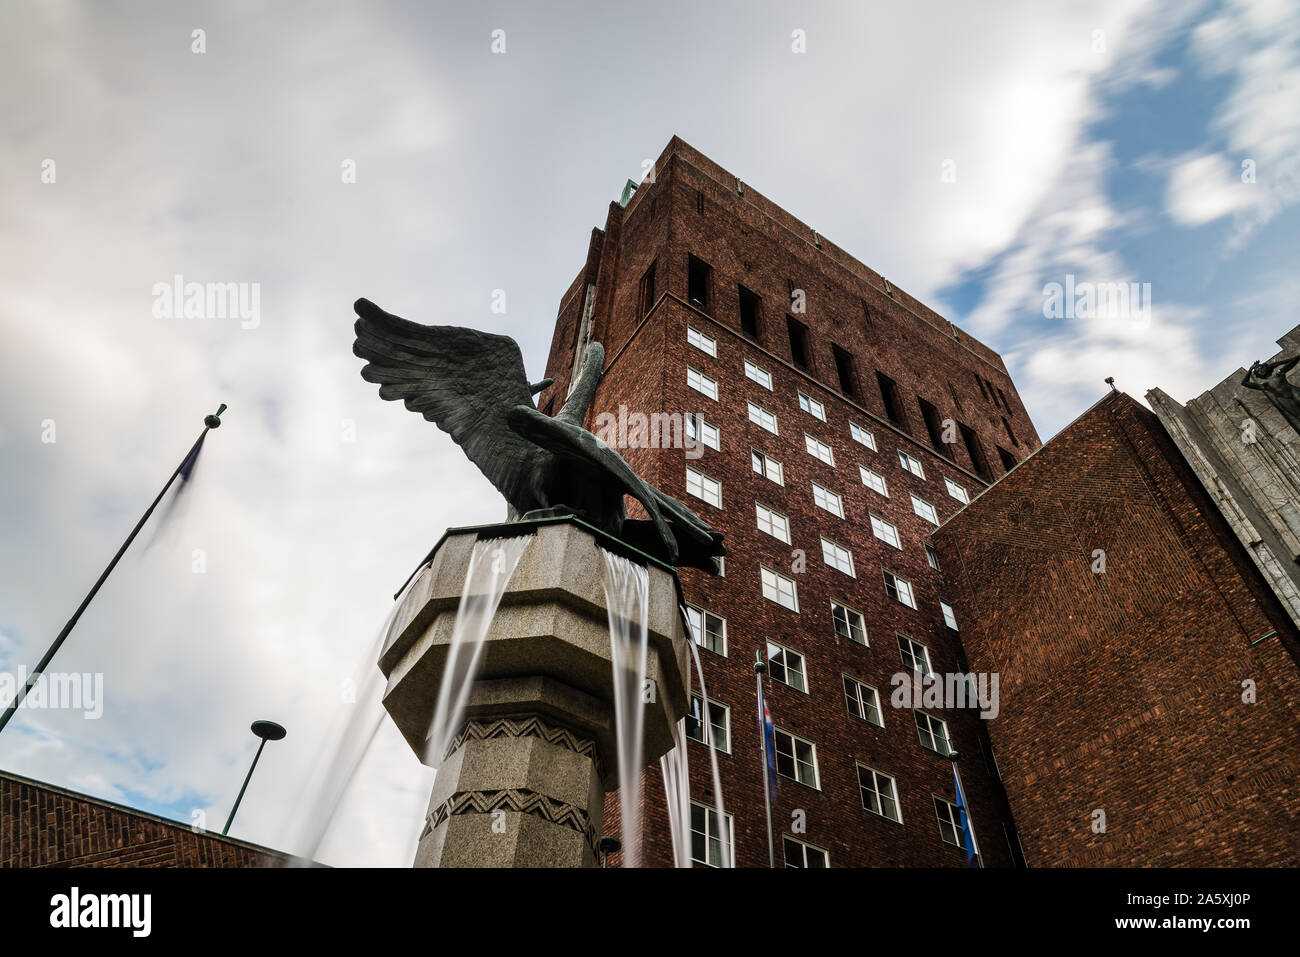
column 873, row 480
column 773, row 523
column 762, row 418
column 932, row 558
column 798, row 334
column 701, row 383
column 933, row 426
column 707, row 629
column 844, row 369
column 812, row 407
column 819, row 450
column 1007, row 427
column 1003, row 396
column 646, row 293
column 801, row 854
column 849, row 623
column 949, row 823
column 933, row 733
column 796, row 758
column 1008, row 460
column 704, row 488
column 701, row 431
column 827, row 500
column 914, row 654
column 837, row 557
column 885, row 531
column 779, row 589
column 786, row 666
column 975, row 451
column 956, row 491
column 862, row 436
column 899, row 589
column 697, row 283
column 893, row 403
column 701, row 341
column 879, row 793
column 749, row 303
column 911, row 465
column 767, row 466
column 863, row 701
column 923, row 508
column 757, row 374
column 708, row 847
column 949, row 618
column 719, row 723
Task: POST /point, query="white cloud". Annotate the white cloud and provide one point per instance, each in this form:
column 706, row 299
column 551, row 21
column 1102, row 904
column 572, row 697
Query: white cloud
column 1206, row 187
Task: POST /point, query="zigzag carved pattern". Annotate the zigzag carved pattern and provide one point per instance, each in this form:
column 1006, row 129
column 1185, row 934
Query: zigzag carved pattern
column 521, row 800
column 532, row 726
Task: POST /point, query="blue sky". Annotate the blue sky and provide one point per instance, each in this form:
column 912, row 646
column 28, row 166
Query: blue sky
column 1102, row 140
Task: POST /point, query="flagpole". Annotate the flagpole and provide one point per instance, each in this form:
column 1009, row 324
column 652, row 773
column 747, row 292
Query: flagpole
column 209, row 422
column 965, row 807
column 759, row 668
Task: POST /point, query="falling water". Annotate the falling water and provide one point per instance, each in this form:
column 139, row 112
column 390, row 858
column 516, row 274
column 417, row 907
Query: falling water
column 491, row 564
column 627, row 593
column 677, row 783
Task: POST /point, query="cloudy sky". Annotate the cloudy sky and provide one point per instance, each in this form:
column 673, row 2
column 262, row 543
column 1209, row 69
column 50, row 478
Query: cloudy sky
column 972, row 153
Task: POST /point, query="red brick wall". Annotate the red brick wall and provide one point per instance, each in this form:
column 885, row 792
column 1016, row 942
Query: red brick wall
column 745, row 242
column 1122, row 690
column 42, row 826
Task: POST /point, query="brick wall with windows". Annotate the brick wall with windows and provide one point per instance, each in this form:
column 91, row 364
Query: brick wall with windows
column 1129, row 629
column 794, row 333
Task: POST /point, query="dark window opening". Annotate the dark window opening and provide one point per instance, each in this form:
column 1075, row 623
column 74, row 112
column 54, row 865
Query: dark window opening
column 866, row 313
column 646, row 294
column 1003, row 397
column 976, row 452
column 844, row 367
column 934, row 426
column 980, row 382
column 956, row 399
column 699, row 201
column 798, row 342
column 1008, row 460
column 1011, row 435
column 893, row 403
column 749, row 313
column 697, row 283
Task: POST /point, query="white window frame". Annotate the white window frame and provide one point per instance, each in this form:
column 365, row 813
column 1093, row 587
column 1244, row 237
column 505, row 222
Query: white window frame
column 767, row 465
column 703, row 482
column 907, row 646
column 771, row 581
column 930, row 738
column 786, row 667
column 835, row 555
column 932, row 557
column 867, row 475
column 804, row 848
column 863, row 436
column 911, row 464
column 906, row 589
column 702, row 341
column 920, row 507
column 887, row 532
column 876, row 776
column 957, row 491
column 949, row 617
column 771, row 522
column 726, row 845
column 857, row 704
column 760, row 416
column 816, row 448
column 814, row 408
column 698, row 636
column 702, row 430
column 952, row 822
column 725, row 744
column 756, row 373
column 701, row 383
column 827, row 500
column 794, row 756
column 848, row 623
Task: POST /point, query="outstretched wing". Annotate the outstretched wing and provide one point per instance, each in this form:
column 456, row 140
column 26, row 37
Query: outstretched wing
column 462, row 380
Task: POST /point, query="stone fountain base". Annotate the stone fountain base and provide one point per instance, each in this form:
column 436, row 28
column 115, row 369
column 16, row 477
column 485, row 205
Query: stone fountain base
column 524, row 779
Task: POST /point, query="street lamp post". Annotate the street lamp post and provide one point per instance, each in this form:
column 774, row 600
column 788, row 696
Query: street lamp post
column 267, row 731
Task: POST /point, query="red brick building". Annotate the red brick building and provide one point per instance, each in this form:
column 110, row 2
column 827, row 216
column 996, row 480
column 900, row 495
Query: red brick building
column 45, row 826
column 1150, row 699
column 841, row 422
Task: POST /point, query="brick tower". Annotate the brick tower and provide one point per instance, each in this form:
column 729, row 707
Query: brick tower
column 838, row 421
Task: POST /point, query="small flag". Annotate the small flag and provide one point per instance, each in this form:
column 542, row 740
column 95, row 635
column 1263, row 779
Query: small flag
column 768, row 732
column 968, row 833
column 187, row 468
